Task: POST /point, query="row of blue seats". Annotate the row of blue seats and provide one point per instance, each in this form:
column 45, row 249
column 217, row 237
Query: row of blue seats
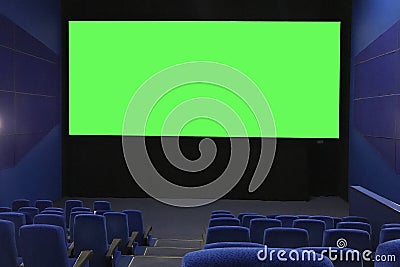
column 112, row 226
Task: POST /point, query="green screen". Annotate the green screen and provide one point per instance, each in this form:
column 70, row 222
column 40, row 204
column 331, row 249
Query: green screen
column 296, row 66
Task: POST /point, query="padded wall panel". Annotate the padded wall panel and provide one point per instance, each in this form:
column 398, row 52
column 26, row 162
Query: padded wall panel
column 34, row 114
column 7, row 116
column 28, row 44
column 7, row 143
column 386, row 148
column 375, row 116
column 385, row 43
column 25, row 142
column 6, row 70
column 6, row 32
column 378, row 76
column 35, row 76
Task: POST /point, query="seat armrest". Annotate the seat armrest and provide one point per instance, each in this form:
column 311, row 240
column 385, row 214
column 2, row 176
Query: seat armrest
column 114, row 245
column 83, row 257
column 146, row 234
column 132, row 239
column 70, row 250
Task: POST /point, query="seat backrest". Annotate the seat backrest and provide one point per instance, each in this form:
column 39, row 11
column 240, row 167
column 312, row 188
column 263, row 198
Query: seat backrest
column 223, row 221
column 227, row 234
column 117, row 227
column 351, row 238
column 354, row 225
column 391, row 248
column 51, row 219
column 221, row 215
column 329, row 222
column 69, row 204
column 41, row 204
column 233, row 245
column 90, row 234
column 101, row 205
column 80, row 209
column 19, row 220
column 221, row 211
column 390, row 225
column 388, row 234
column 272, row 216
column 249, row 257
column 55, row 208
column 286, row 237
column 287, row 220
column 56, row 212
column 257, row 227
column 29, row 212
column 43, row 245
column 336, row 220
column 19, row 203
column 247, row 218
column 240, row 215
column 315, row 229
column 8, row 251
column 5, row 209
column 72, row 222
column 355, row 219
column 135, row 223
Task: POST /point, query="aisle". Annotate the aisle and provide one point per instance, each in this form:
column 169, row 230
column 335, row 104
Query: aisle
column 166, row 253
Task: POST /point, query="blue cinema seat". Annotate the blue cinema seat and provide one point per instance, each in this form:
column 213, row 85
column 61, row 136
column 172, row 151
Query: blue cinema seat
column 286, row 237
column 41, row 204
column 117, row 228
column 227, row 234
column 287, row 220
column 258, row 226
column 315, row 229
column 223, row 221
column 8, row 252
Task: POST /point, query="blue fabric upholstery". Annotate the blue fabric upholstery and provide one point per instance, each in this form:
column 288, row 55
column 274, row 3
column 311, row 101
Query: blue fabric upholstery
column 5, row 209
column 221, row 215
column 19, row 203
column 356, row 239
column 286, row 237
column 41, row 204
column 101, row 205
column 355, row 225
column 336, row 220
column 51, row 219
column 80, row 209
column 8, row 251
column 329, row 222
column 257, row 227
column 37, row 239
column 240, row 215
column 29, row 212
column 117, row 227
column 56, row 212
column 69, row 204
column 388, row 234
column 303, row 216
column 247, row 257
column 355, row 219
column 232, row 245
column 135, row 224
column 72, row 222
column 55, row 208
column 287, row 220
column 221, row 211
column 341, row 257
column 90, row 234
column 227, row 234
column 388, row 248
column 315, row 229
column 247, row 218
column 272, row 216
column 223, row 221
column 19, row 220
column 390, row 225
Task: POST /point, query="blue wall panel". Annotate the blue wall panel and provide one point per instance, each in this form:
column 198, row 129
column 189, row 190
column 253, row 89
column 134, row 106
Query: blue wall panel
column 6, row 73
column 374, row 150
column 30, row 91
column 7, row 115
